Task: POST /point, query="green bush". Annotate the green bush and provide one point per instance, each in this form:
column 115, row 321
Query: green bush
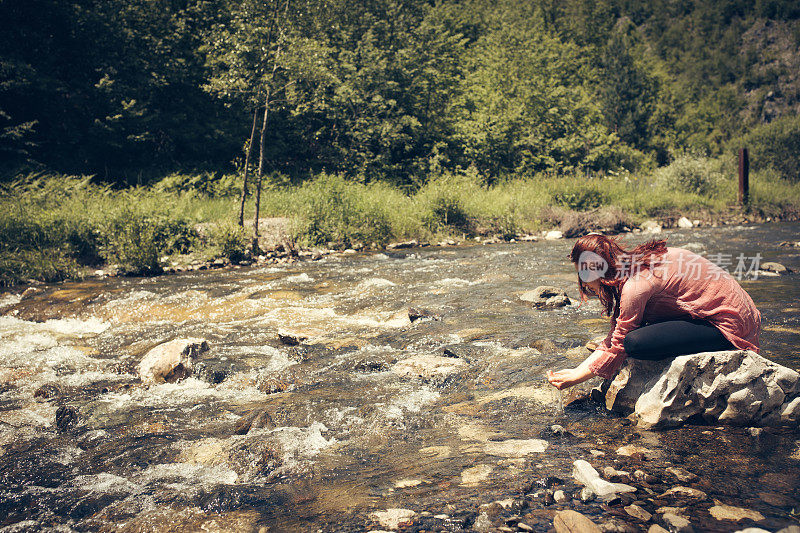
column 775, row 145
column 131, row 241
column 690, row 174
column 442, row 201
column 583, row 199
column 333, row 209
column 230, row 240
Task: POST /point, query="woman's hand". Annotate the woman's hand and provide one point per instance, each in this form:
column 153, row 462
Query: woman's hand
column 563, row 378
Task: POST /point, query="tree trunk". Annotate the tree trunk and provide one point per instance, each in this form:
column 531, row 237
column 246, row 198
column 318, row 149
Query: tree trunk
column 256, row 248
column 247, row 167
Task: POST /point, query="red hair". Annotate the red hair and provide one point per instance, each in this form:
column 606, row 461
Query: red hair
column 622, row 264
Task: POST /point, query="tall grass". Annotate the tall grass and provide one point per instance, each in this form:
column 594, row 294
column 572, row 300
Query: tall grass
column 53, row 226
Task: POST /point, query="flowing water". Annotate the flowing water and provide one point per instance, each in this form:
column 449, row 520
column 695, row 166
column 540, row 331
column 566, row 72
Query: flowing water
column 355, row 428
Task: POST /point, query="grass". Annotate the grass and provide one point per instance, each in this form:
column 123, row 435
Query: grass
column 53, row 227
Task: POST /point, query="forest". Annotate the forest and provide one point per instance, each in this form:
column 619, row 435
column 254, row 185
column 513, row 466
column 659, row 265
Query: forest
column 171, row 97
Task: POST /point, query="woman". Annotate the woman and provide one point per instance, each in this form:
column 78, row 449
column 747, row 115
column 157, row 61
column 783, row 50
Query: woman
column 663, row 302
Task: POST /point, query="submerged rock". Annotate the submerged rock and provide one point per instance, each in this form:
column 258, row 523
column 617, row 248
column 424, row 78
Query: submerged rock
column 428, row 367
column 66, row 417
column 257, row 418
column 171, row 361
column 736, row 387
column 546, row 297
column 729, row 512
column 573, row 522
column 419, row 313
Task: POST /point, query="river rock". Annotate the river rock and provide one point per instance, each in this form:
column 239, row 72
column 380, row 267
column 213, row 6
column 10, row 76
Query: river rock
column 428, row 367
column 573, row 522
column 737, row 387
column 255, row 419
column 676, row 524
column 651, row 226
column 637, row 512
column 585, row 474
column 684, row 492
column 729, row 512
column 418, row 313
column 171, row 361
column 482, row 524
column 553, row 235
column 393, row 518
column 685, row 223
column 66, row 417
column 777, row 268
column 681, row 474
column 655, row 528
column 546, row 297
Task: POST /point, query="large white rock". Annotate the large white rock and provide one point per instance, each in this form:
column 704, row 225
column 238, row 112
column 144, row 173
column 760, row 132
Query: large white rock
column 737, row 387
column 685, row 223
column 585, row 473
column 171, row 361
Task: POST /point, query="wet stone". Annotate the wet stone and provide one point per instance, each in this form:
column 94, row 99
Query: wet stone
column 676, row 524
column 546, row 297
column 681, row 474
column 573, row 522
column 420, row 313
column 47, row 392
column 255, row 419
column 66, row 417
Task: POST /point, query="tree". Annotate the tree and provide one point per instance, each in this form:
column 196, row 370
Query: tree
column 259, row 55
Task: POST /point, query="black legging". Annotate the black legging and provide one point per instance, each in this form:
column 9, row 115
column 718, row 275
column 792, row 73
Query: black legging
column 674, row 337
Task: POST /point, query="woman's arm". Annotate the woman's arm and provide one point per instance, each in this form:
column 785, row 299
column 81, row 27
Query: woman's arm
column 572, row 376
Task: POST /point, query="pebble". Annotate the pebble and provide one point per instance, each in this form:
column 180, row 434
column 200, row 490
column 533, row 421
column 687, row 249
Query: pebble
column 681, row 474
column 685, row 492
column 524, row 527
column 676, row 524
column 642, row 476
column 637, row 512
column 560, row 496
column 655, row 528
column 482, row 523
column 587, row 494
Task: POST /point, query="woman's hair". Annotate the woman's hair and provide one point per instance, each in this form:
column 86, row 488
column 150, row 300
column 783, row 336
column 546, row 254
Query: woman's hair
column 621, row 264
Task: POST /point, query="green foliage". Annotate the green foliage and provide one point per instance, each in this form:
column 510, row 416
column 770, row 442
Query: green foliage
column 210, row 184
column 691, row 174
column 230, row 240
column 442, row 201
column 131, row 242
column 582, row 198
column 334, row 210
column 776, row 145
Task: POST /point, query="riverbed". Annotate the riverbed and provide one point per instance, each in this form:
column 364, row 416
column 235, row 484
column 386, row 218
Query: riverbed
column 353, row 427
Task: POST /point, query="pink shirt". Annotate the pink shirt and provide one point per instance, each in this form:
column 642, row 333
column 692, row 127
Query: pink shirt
column 680, row 283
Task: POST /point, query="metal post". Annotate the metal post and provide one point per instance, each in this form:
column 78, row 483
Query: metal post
column 744, row 176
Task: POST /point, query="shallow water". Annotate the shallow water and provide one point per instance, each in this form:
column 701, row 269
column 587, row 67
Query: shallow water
column 352, row 433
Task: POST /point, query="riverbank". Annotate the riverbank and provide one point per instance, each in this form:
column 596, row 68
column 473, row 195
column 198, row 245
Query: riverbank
column 54, row 228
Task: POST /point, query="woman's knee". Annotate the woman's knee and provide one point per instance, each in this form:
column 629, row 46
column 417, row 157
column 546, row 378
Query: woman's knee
column 634, row 343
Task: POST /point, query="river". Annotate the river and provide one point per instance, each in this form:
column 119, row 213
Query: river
column 351, row 433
